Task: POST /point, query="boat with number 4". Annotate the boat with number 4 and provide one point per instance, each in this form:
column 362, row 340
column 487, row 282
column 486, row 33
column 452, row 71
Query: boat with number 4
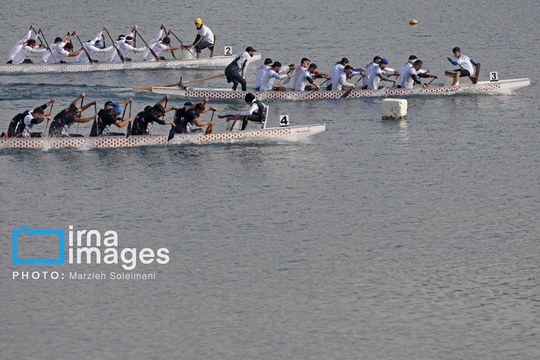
column 72, row 67
column 276, row 134
column 482, row 87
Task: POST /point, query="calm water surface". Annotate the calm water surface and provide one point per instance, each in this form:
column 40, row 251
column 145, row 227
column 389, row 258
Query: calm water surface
column 375, row 240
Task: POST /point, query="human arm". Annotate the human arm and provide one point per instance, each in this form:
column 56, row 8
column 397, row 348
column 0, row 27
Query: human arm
column 166, row 97
column 453, row 62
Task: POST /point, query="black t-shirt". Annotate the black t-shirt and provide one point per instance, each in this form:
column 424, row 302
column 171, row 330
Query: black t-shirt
column 141, row 121
column 104, row 121
column 65, row 117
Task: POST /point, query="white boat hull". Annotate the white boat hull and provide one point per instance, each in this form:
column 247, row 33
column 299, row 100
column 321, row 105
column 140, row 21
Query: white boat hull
column 482, row 87
column 289, row 133
column 213, row 62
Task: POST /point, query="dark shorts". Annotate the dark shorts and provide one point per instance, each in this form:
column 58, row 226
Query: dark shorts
column 463, row 72
column 202, row 45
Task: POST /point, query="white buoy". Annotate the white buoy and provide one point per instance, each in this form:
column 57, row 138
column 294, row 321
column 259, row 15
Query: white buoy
column 394, row 109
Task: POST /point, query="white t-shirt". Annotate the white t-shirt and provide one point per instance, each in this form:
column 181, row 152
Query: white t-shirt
column 24, row 51
column 18, row 46
column 206, row 34
column 267, row 82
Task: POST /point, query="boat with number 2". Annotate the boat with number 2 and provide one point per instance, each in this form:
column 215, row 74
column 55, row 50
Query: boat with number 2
column 72, row 67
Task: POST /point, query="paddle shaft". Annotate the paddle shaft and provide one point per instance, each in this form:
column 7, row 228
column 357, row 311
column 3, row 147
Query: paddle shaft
column 117, row 50
column 181, row 43
column 48, row 47
column 149, row 48
column 82, row 102
column 172, row 51
column 47, row 124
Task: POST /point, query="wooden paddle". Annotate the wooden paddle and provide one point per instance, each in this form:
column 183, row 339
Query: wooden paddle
column 47, row 124
column 46, row 43
column 86, row 52
column 149, row 47
column 149, row 87
column 114, row 44
column 347, row 92
column 128, row 132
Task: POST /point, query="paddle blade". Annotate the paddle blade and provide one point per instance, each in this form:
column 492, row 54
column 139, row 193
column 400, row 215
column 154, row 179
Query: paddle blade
column 171, row 133
column 128, row 130
column 346, row 93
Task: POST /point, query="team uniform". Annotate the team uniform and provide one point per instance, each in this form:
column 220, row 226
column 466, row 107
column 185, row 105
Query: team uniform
column 204, row 39
column 407, row 77
column 267, row 82
column 18, row 46
column 22, row 123
column 101, row 127
column 255, row 112
column 62, row 121
column 342, row 81
column 56, row 55
column 124, row 48
column 23, row 53
column 143, row 122
column 465, row 64
column 236, row 69
column 91, row 49
column 156, row 45
column 260, row 74
column 304, row 78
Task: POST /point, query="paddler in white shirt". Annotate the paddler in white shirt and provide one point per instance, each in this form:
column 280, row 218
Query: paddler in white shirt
column 336, row 71
column 62, row 50
column 409, row 76
column 125, row 47
column 19, row 44
column 261, row 71
column 204, row 38
column 92, row 47
column 236, row 70
column 267, row 82
column 158, row 45
column 305, row 81
column 465, row 63
column 26, row 49
column 375, row 75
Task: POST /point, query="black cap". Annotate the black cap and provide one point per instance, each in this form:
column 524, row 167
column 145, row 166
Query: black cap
column 249, row 48
column 109, row 103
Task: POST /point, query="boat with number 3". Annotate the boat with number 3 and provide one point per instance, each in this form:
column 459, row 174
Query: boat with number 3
column 481, row 87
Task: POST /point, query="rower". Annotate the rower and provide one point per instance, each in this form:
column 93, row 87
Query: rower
column 236, row 70
column 256, row 112
column 305, row 79
column 142, row 124
column 72, row 114
column 63, row 49
column 375, row 75
column 22, row 123
column 159, row 46
column 466, row 67
column 204, row 39
column 19, row 45
column 110, row 115
column 274, row 72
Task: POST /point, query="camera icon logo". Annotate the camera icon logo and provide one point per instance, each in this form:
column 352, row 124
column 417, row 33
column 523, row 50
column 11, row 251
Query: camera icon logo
column 20, row 246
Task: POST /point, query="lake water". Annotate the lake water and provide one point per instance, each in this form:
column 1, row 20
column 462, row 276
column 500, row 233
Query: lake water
column 377, row 239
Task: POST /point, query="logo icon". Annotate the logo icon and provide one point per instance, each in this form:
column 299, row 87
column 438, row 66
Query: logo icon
column 24, row 241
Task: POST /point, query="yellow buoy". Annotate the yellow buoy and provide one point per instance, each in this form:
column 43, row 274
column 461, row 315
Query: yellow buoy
column 413, row 22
